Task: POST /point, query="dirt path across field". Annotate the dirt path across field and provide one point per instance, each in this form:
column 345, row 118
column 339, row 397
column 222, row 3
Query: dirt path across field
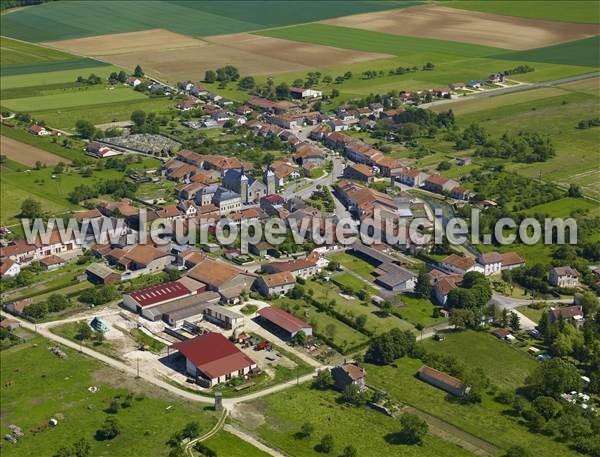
column 444, row 23
column 27, row 154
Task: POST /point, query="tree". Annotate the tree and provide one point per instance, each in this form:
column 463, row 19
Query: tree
column 191, row 430
column 84, row 331
column 31, row 208
column 138, row 117
column 85, row 129
column 354, row 395
column 110, row 429
column 138, row 72
column 547, row 407
column 361, row 321
column 323, row 380
column 81, row 448
column 326, row 443
column 247, row 83
column 210, row 76
column 282, row 91
column 349, row 451
column 553, row 377
column 515, row 322
column 387, row 347
column 300, row 338
column 114, row 406
column 306, row 430
column 423, row 286
column 414, row 428
column 573, row 425
column 122, row 76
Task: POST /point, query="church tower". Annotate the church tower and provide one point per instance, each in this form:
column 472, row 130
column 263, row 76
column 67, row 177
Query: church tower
column 269, row 180
column 243, row 187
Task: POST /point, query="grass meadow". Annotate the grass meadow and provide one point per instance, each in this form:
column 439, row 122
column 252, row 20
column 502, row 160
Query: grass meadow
column 18, row 52
column 487, row 420
column 37, row 386
column 581, row 11
column 56, row 21
column 371, row 433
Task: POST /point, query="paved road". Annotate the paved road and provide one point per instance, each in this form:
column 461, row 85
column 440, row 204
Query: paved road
column 512, row 89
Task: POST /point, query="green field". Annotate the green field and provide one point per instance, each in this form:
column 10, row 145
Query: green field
column 582, row 53
column 504, row 364
column 355, row 264
column 582, row 11
column 487, row 420
column 564, row 207
column 368, row 41
column 54, row 77
column 60, row 21
column 454, row 61
column 38, row 184
column 418, row 310
column 37, row 386
column 18, row 53
column 65, row 118
column 227, row 444
column 554, row 111
column 371, row 433
column 82, row 96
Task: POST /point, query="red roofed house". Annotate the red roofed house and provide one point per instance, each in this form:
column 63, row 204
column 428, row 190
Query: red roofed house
column 348, row 374
column 211, row 359
column 491, row 263
column 460, row 265
column 285, row 322
column 444, row 381
column 304, row 268
column 568, row 313
column 439, row 184
column 155, row 295
column 511, row 260
column 38, row 130
column 359, row 172
column 564, row 277
column 9, row 269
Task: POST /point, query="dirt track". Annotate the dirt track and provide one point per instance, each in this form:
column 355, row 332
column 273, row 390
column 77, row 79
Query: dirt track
column 26, row 154
column 469, row 26
column 176, row 57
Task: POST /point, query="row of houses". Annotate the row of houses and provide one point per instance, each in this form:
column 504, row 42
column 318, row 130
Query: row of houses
column 433, row 183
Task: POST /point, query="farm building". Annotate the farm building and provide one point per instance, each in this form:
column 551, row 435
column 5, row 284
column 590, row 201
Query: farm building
column 99, row 150
column 220, row 277
column 302, row 93
column 224, row 317
column 155, row 295
column 443, row 381
column 98, row 273
column 211, row 359
column 286, row 323
column 190, row 308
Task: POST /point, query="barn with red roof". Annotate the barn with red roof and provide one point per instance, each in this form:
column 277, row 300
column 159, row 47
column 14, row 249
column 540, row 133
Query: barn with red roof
column 211, row 359
column 283, row 321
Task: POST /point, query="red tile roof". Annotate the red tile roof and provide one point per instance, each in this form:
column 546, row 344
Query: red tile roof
column 157, row 294
column 442, row 377
column 214, row 355
column 283, row 319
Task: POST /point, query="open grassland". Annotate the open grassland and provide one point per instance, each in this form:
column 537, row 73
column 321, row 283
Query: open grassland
column 504, row 364
column 15, row 52
column 37, row 386
column 81, row 96
column 417, row 310
column 59, row 21
column 580, row 11
column 227, row 444
column 565, row 206
column 277, row 419
column 46, row 143
column 584, row 53
column 65, row 118
column 368, row 41
column 80, row 64
column 554, row 111
column 40, row 185
column 487, row 420
column 55, row 77
column 440, row 22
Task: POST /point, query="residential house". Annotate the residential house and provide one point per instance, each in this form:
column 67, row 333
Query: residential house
column 302, row 93
column 359, row 172
column 439, row 184
column 511, row 260
column 572, row 314
column 99, row 150
column 348, row 374
column 299, row 268
column 565, row 277
column 491, row 263
column 38, row 130
column 227, row 280
column 459, row 264
column 411, row 177
column 9, row 269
